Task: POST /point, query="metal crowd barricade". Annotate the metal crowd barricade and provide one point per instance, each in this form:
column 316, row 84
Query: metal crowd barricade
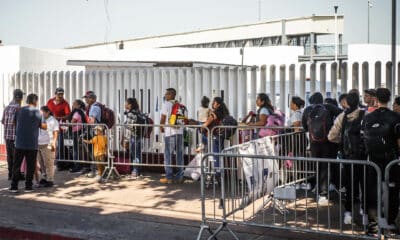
column 251, row 192
column 145, row 148
column 73, row 152
column 391, row 189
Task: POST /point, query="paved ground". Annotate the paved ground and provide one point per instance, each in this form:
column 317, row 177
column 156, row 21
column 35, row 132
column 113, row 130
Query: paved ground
column 128, row 209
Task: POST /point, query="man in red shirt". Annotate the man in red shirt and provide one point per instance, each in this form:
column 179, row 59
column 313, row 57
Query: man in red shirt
column 59, row 106
column 61, row 110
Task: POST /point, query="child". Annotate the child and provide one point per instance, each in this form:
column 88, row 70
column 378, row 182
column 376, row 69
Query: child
column 99, row 150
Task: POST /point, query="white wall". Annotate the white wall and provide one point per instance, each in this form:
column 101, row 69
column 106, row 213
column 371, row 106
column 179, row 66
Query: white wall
column 371, row 53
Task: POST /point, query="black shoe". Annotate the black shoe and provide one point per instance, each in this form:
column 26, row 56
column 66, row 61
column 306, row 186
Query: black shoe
column 75, row 170
column 48, row 184
column 13, row 189
column 42, row 181
column 28, row 189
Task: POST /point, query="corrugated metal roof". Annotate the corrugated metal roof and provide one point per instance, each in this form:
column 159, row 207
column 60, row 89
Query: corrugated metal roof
column 296, row 31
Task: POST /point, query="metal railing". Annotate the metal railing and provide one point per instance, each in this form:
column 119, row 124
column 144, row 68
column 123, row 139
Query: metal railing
column 251, row 193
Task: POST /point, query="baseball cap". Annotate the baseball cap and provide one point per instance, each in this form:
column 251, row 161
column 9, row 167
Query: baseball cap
column 18, row 94
column 370, row 91
column 59, row 90
column 89, row 94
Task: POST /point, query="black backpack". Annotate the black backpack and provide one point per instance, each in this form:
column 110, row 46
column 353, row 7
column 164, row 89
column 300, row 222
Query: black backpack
column 376, row 134
column 351, row 142
column 227, row 132
column 318, row 123
column 143, row 131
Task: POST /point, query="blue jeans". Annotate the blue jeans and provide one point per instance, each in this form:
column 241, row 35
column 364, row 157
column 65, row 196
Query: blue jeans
column 217, row 147
column 136, row 152
column 173, row 143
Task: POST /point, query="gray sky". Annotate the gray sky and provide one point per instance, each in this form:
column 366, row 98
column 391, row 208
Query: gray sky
column 63, row 23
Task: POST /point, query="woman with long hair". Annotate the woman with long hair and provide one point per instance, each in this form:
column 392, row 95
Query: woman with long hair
column 132, row 137
column 218, row 113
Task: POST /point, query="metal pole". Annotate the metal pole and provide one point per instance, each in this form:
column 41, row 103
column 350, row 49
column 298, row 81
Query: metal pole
column 336, row 33
column 393, row 48
column 369, row 5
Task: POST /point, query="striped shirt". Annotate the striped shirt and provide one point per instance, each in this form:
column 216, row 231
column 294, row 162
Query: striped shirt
column 8, row 120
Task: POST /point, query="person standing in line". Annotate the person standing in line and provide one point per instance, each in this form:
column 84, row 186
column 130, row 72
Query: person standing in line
column 78, row 118
column 133, row 137
column 219, row 112
column 370, row 99
column 346, row 131
column 173, row 139
column 318, row 119
column 93, row 111
column 47, row 146
column 28, row 122
column 8, row 120
column 61, row 110
column 396, row 104
column 381, row 134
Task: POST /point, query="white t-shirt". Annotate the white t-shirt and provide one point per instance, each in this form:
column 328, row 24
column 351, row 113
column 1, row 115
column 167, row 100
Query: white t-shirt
column 203, row 114
column 166, row 110
column 45, row 136
column 295, row 117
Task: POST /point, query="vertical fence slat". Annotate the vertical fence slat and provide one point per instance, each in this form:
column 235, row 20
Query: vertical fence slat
column 334, row 90
column 282, row 88
column 355, row 74
column 272, row 79
column 378, row 74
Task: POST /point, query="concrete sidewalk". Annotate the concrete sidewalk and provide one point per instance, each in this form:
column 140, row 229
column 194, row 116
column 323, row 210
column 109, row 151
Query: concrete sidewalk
column 78, row 207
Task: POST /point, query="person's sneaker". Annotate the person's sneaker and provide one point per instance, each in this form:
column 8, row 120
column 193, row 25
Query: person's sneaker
column 99, row 179
column 165, row 180
column 134, row 174
column 179, row 180
column 48, row 184
column 28, row 189
column 347, row 217
column 13, row 189
column 91, row 175
column 322, row 200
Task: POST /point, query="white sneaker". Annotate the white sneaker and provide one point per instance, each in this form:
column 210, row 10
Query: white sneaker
column 322, row 200
column 347, row 217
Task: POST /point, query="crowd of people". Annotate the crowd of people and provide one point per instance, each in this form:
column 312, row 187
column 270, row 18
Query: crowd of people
column 344, row 129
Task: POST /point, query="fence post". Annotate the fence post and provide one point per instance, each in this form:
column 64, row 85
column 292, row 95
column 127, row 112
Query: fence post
column 312, row 78
column 389, row 80
column 334, row 80
column 292, row 74
column 365, row 75
column 303, row 81
column 263, row 79
column 378, row 74
column 322, row 75
column 355, row 71
column 272, row 79
column 282, row 90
